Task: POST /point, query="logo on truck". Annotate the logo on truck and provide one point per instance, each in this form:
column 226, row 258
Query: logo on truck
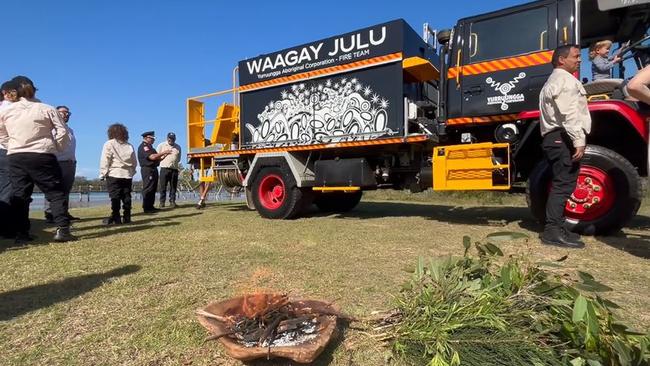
column 324, row 112
column 505, row 88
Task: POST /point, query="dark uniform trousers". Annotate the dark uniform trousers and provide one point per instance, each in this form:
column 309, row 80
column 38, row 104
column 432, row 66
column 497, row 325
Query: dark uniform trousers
column 5, row 196
column 168, row 176
column 119, row 191
column 27, row 169
column 68, row 171
column 558, row 149
column 149, row 185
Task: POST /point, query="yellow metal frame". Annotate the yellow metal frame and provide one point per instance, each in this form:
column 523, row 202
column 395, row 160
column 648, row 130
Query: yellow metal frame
column 469, row 167
column 226, row 125
column 336, row 189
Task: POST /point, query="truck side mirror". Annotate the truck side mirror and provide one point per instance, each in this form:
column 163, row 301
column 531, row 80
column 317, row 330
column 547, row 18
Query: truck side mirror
column 444, row 36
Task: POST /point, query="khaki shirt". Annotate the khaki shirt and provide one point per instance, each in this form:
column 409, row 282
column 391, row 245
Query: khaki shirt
column 31, row 126
column 3, row 105
column 172, row 160
column 563, row 104
column 117, row 160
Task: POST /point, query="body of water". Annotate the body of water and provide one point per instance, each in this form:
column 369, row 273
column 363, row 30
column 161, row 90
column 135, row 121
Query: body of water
column 94, row 199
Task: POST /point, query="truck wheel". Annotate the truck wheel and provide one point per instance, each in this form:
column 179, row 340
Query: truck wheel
column 275, row 193
column 607, row 196
column 337, row 202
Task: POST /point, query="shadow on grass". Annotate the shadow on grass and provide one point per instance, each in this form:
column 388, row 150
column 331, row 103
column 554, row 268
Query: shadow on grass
column 126, row 228
column 499, row 215
column 18, row 302
column 636, row 244
column 138, row 219
column 325, row 358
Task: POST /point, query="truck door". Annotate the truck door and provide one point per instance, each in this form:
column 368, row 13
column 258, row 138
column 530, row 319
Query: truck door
column 507, row 59
column 454, row 76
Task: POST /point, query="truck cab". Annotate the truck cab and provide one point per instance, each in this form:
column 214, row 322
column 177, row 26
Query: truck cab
column 497, row 64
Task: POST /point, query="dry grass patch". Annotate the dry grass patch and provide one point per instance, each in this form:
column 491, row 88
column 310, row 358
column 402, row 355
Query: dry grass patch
column 126, row 294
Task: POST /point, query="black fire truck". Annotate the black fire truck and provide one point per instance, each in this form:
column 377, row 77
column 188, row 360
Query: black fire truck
column 384, row 107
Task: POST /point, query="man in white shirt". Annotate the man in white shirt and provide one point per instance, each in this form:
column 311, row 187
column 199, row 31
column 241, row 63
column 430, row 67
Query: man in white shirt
column 67, row 161
column 565, row 123
column 169, row 167
column 8, row 95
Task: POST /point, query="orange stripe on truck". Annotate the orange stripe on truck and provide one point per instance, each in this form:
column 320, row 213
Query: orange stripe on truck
column 533, row 59
column 328, row 70
column 386, row 141
column 482, row 119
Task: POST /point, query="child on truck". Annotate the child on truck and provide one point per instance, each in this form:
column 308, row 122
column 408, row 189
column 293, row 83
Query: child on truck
column 602, row 64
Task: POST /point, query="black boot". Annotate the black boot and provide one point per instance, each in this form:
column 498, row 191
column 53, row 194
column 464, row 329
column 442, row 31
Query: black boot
column 557, row 236
column 113, row 220
column 63, row 234
column 127, row 217
column 23, row 238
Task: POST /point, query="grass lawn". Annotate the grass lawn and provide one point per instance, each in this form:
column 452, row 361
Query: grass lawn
column 127, row 294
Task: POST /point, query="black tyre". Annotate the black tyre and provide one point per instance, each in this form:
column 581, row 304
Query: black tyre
column 337, row 202
column 275, row 193
column 607, row 196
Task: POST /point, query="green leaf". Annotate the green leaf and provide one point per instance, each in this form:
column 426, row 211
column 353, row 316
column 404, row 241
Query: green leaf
column 592, row 286
column 623, row 351
column 578, row 361
column 579, row 309
column 455, row 359
column 505, row 277
column 493, row 249
column 622, row 329
column 607, row 303
column 561, row 302
column 479, row 249
column 592, row 320
column 594, row 363
column 467, row 243
column 584, row 276
column 504, row 236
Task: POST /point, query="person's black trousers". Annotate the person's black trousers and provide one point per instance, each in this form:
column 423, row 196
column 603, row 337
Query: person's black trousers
column 558, row 149
column 6, row 228
column 149, row 186
column 119, row 191
column 168, row 176
column 27, row 169
column 68, row 171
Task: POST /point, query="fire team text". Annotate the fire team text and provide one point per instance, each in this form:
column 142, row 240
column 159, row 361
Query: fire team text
column 343, row 49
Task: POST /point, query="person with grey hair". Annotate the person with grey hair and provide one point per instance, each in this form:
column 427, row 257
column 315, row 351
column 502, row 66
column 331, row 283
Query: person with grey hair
column 67, row 161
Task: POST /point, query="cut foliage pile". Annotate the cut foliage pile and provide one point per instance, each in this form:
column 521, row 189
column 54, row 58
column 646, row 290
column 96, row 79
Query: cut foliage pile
column 490, row 310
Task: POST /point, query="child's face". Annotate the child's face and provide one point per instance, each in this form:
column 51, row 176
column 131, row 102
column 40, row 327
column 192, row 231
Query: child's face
column 603, row 51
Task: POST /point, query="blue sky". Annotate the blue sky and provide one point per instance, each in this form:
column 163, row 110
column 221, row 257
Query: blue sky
column 136, row 62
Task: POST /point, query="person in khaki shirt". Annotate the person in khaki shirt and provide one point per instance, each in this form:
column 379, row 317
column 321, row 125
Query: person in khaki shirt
column 169, row 167
column 34, row 133
column 117, row 166
column 565, row 123
column 8, row 95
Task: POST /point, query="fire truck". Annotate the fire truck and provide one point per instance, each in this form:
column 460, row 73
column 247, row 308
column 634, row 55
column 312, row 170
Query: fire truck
column 384, row 107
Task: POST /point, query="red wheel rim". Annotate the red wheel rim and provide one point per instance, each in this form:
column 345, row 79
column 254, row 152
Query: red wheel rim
column 594, row 195
column 271, row 192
